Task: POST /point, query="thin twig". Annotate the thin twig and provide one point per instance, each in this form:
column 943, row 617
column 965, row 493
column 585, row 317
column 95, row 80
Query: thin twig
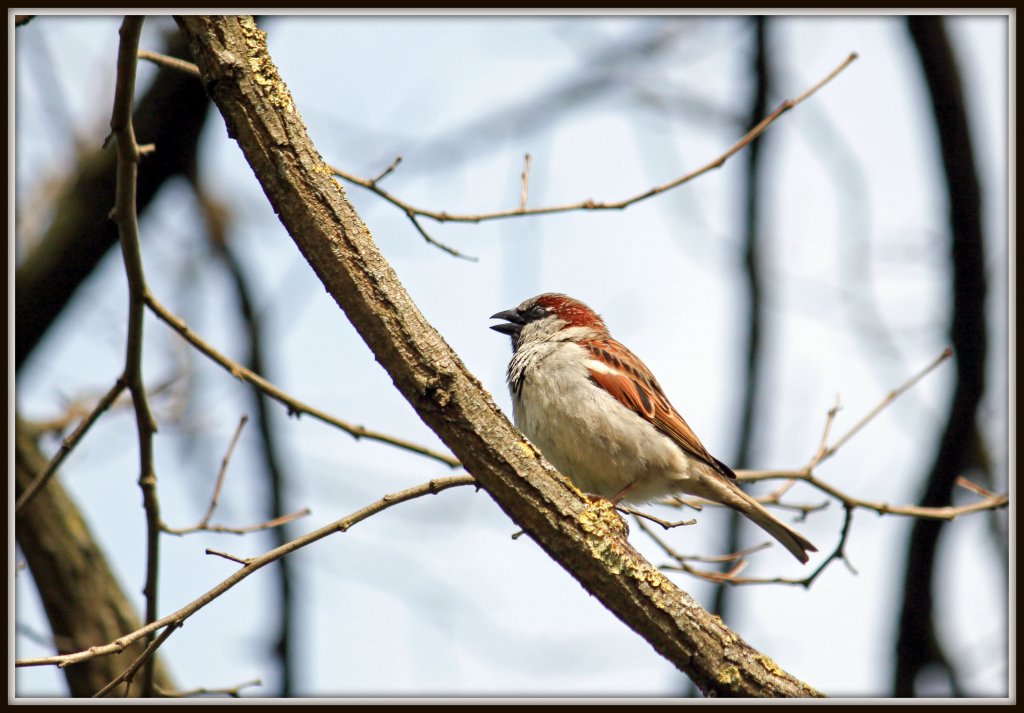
column 526, row 182
column 294, row 406
column 413, row 212
column 830, row 419
column 732, row 577
column 163, row 60
column 975, row 488
column 666, row 524
column 128, row 230
column 80, row 407
column 259, row 527
column 804, row 509
column 225, row 555
column 387, row 171
column 945, row 512
column 426, row 236
column 711, row 559
column 991, row 501
column 129, row 673
column 223, row 471
column 889, row 398
column 68, row 444
column 589, row 204
column 233, row 692
column 251, row 566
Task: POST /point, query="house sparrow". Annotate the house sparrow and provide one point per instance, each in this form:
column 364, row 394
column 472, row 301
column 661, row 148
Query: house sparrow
column 599, row 416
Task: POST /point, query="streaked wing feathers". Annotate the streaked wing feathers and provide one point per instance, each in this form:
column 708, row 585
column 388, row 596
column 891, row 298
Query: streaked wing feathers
column 629, row 381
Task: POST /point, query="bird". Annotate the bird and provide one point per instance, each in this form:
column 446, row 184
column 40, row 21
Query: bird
column 598, row 415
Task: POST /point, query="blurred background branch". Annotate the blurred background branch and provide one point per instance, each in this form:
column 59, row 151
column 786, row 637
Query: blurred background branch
column 918, row 646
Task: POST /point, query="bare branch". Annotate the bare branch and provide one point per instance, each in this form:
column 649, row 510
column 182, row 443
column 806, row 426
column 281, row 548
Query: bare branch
column 825, row 451
column 223, row 471
column 250, row 566
column 68, row 444
column 732, row 577
column 204, row 524
column 387, row 171
column 129, row 673
column 163, row 60
column 681, row 558
column 233, row 692
column 991, row 501
column 293, row 405
column 589, row 204
column 526, row 182
column 665, row 524
column 225, row 555
column 889, row 398
column 426, row 236
column 126, row 217
column 259, row 527
column 413, row 213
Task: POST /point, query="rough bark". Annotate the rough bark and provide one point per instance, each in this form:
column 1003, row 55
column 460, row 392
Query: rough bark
column 84, row 602
column 587, row 539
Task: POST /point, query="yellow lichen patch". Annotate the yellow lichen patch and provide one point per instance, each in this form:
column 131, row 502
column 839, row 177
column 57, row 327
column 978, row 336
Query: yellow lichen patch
column 600, row 519
column 770, row 665
column 263, row 69
column 607, row 543
column 729, row 676
column 652, row 576
column 528, row 449
column 811, row 691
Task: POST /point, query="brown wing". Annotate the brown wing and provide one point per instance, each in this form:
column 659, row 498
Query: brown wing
column 630, row 382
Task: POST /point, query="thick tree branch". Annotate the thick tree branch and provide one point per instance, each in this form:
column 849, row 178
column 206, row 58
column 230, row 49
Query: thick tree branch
column 587, row 539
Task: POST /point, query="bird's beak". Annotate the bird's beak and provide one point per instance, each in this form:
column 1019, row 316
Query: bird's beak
column 513, row 323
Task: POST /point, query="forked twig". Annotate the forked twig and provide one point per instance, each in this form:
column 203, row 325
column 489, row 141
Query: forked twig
column 129, row 673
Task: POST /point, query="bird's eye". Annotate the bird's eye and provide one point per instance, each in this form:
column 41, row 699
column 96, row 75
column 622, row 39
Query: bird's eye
column 536, row 312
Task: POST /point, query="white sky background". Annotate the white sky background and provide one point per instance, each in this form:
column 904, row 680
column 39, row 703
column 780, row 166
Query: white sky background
column 433, row 597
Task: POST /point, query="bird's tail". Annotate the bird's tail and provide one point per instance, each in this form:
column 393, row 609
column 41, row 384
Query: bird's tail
column 787, row 536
